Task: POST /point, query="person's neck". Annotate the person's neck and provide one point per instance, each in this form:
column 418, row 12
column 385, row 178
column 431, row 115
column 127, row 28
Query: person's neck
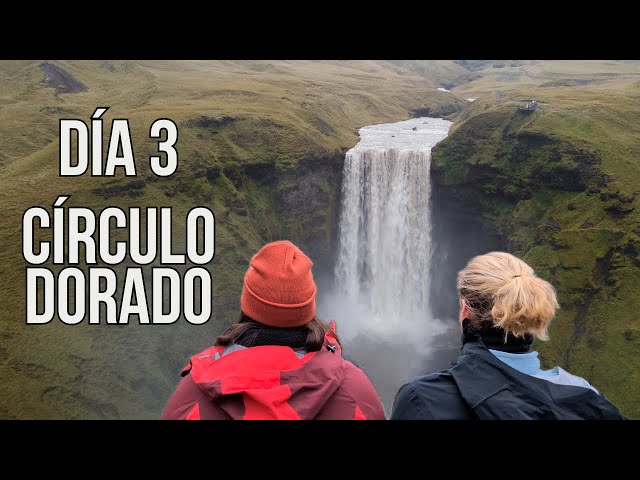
column 494, row 337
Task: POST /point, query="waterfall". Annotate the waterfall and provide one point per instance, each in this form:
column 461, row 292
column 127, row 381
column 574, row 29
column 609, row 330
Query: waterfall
column 383, row 268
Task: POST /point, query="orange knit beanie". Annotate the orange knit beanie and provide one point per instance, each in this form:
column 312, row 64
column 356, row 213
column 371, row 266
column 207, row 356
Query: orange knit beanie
column 278, row 287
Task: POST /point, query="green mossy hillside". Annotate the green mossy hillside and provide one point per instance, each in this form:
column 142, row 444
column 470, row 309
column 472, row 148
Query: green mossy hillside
column 561, row 184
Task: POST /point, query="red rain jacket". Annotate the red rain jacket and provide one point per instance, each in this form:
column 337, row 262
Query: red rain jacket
column 273, row 383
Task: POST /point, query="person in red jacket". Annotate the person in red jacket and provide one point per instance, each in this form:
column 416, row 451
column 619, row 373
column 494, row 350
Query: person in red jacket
column 279, row 361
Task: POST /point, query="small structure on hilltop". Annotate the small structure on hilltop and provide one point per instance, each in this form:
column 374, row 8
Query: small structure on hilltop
column 528, row 105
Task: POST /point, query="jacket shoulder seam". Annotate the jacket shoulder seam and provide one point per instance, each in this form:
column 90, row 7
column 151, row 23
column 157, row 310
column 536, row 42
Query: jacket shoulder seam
column 416, row 400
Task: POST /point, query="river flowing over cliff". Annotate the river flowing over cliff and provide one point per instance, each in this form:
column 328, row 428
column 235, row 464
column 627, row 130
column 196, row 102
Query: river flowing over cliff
column 383, row 267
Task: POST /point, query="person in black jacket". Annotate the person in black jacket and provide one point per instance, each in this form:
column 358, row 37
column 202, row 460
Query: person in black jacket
column 503, row 305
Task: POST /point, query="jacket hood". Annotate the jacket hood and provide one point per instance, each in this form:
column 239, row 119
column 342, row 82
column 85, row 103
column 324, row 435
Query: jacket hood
column 269, row 382
column 494, row 390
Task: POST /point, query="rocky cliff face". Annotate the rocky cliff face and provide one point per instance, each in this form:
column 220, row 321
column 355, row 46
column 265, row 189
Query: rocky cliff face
column 266, row 201
column 459, row 232
column 307, row 200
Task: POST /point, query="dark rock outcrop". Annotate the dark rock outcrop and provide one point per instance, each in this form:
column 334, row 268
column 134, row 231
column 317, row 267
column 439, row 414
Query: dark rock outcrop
column 132, row 189
column 61, row 80
column 262, row 173
column 211, row 123
column 307, row 204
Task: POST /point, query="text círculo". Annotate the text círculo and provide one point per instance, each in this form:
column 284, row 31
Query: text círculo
column 74, row 294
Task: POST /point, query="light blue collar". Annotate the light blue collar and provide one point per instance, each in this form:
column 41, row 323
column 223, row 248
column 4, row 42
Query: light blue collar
column 528, row 363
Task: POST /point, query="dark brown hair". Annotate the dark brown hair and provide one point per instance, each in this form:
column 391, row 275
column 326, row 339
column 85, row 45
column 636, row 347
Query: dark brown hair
column 315, row 336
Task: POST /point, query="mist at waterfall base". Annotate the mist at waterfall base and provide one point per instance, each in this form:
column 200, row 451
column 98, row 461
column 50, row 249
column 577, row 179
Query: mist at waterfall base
column 393, row 293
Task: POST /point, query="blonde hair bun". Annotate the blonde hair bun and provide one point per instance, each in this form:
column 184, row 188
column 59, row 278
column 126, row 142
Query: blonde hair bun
column 503, row 289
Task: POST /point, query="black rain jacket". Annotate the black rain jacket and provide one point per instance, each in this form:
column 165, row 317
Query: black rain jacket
column 481, row 386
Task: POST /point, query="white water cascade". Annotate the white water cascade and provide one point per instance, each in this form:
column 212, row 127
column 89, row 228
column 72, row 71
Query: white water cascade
column 383, row 269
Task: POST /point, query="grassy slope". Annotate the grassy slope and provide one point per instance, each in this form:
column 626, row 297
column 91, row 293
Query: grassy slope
column 578, row 223
column 281, row 112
